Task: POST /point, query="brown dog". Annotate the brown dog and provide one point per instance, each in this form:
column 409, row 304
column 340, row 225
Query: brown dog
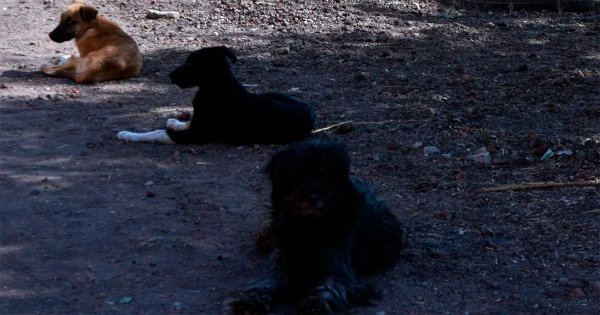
column 106, row 52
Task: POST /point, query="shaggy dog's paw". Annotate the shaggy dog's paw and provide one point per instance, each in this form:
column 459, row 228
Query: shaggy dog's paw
column 175, row 124
column 315, row 304
column 253, row 301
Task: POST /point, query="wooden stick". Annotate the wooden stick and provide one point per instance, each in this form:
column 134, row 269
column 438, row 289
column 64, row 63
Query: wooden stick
column 333, row 126
column 366, row 123
column 539, row 185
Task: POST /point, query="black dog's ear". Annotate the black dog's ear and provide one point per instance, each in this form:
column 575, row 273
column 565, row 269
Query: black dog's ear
column 228, row 53
column 88, row 13
column 277, row 161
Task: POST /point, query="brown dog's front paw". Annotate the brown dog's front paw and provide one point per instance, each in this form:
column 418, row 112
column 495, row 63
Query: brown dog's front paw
column 49, row 70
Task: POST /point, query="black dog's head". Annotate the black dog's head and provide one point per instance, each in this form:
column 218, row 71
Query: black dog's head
column 73, row 22
column 311, row 180
column 201, row 65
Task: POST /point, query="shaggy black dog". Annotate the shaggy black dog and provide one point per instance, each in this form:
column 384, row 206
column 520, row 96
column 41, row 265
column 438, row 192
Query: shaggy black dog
column 224, row 111
column 326, row 228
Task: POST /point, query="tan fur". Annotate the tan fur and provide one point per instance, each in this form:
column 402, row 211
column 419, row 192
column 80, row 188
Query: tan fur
column 106, row 52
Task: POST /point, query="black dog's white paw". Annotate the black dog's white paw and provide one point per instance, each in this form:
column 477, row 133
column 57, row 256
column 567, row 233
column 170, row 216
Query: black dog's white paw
column 175, row 124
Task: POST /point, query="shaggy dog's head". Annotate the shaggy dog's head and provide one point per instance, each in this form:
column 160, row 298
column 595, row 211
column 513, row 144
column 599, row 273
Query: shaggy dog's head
column 203, row 64
column 311, row 181
column 73, row 22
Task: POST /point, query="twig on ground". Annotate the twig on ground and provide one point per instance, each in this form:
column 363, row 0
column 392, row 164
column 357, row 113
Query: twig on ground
column 332, row 126
column 539, row 185
column 366, row 123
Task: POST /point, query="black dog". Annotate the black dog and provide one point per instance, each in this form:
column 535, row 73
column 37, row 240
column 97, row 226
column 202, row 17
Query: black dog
column 224, row 111
column 326, row 228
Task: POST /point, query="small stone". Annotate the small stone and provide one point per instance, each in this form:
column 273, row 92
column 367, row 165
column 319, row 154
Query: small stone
column 444, row 215
column 490, row 25
column 282, row 51
column 3, row 86
column 461, row 176
column 393, row 145
column 155, row 14
column 431, row 150
column 576, row 293
column 360, row 77
column 481, row 157
column 149, row 183
column 150, row 194
column 417, row 144
column 560, row 80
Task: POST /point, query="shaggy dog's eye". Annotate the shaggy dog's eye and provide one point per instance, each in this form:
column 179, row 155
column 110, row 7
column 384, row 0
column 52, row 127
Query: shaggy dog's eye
column 70, row 22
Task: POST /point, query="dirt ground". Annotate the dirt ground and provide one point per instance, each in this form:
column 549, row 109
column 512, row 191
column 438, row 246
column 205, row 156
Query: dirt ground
column 92, row 225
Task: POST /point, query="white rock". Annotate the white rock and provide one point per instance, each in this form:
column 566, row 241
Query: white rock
column 431, row 150
column 155, row 14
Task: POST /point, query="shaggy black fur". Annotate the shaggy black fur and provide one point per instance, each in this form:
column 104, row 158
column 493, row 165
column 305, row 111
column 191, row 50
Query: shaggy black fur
column 224, row 111
column 326, row 228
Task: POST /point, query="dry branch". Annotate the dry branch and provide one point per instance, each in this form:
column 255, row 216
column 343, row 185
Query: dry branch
column 539, row 185
column 372, row 123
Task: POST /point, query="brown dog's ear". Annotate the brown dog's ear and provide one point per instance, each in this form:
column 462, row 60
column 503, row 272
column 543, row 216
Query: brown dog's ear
column 88, row 13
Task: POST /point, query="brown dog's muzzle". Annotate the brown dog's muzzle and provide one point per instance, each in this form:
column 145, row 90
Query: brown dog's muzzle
column 61, row 34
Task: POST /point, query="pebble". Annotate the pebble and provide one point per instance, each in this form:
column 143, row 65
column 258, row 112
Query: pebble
column 482, row 156
column 393, row 145
column 155, row 14
column 417, row 144
column 431, row 150
column 360, row 77
column 490, row 25
column 282, row 51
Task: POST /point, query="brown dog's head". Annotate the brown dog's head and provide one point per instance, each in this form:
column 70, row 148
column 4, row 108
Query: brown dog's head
column 73, row 22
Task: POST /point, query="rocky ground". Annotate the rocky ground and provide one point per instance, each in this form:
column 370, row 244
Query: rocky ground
column 442, row 101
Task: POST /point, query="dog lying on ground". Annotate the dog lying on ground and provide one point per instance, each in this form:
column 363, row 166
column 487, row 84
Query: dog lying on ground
column 224, row 111
column 326, row 228
column 105, row 51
